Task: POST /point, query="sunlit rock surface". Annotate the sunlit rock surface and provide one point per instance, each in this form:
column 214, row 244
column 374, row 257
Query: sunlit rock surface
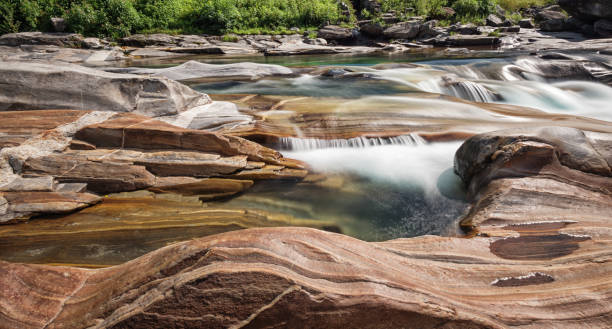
column 44, row 85
column 531, row 264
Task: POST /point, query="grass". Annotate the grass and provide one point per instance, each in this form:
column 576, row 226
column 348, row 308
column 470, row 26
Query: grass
column 514, row 5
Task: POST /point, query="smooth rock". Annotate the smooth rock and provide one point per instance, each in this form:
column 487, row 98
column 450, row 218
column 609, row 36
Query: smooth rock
column 68, row 86
column 404, row 30
column 334, row 32
column 40, row 38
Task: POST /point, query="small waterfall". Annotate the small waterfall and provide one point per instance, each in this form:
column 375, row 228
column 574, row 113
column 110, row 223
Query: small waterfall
column 470, row 90
column 308, row 144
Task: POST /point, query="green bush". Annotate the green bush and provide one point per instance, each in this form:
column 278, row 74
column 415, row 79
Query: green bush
column 473, row 8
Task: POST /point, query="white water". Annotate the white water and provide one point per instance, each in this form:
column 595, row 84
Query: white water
column 419, row 165
column 308, row 144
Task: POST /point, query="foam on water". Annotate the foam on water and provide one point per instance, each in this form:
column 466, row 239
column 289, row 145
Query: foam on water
column 417, row 165
column 307, row 144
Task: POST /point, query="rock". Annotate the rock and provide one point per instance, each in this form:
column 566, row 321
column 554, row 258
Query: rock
column 556, row 25
column 92, row 43
column 428, row 30
column 23, row 205
column 526, row 23
column 208, row 188
column 405, row 30
column 194, row 70
column 60, row 54
column 33, row 184
column 547, row 15
column 316, row 41
column 466, row 29
column 212, row 117
column 68, row 86
column 372, row 29
column 58, row 23
column 146, row 40
column 603, row 28
column 511, row 29
column 588, row 10
column 494, row 21
column 39, row 38
column 334, row 32
column 469, row 40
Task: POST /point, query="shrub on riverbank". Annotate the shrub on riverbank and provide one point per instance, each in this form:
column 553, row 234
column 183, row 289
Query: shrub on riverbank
column 118, row 18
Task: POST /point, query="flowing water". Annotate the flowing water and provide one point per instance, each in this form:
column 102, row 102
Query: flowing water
column 373, row 176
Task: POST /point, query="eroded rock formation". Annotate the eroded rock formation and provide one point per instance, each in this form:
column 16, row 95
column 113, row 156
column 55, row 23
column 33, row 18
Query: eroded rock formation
column 540, row 258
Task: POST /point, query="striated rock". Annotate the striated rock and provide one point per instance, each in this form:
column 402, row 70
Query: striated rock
column 206, row 189
column 40, row 38
column 211, row 117
column 194, row 70
column 54, row 88
column 23, row 205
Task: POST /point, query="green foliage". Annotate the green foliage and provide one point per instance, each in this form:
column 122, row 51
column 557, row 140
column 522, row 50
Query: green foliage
column 229, row 38
column 114, row 18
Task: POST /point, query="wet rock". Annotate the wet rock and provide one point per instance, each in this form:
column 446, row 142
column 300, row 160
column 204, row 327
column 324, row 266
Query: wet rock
column 526, row 23
column 58, row 23
column 603, row 28
column 334, row 32
column 39, row 38
column 37, row 85
column 405, row 30
column 588, row 10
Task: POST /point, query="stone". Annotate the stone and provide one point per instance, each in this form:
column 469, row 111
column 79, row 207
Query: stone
column 469, row 40
column 547, row 15
column 429, row 30
column 316, row 41
column 526, row 23
column 58, row 23
column 33, row 184
column 466, row 29
column 40, row 38
column 556, row 25
column 24, row 205
column 92, row 43
column 146, row 40
column 372, row 29
column 405, row 30
column 69, row 86
column 194, row 70
column 603, row 28
column 588, row 10
column 334, row 32
column 209, row 188
column 493, row 20
column 511, row 29
column 212, row 117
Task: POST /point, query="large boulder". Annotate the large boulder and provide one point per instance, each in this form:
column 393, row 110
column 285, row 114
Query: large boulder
column 404, row 30
column 588, row 10
column 546, row 15
column 39, row 38
column 37, row 85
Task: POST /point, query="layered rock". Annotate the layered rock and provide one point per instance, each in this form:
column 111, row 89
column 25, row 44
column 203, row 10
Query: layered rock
column 540, row 259
column 103, row 152
column 53, row 85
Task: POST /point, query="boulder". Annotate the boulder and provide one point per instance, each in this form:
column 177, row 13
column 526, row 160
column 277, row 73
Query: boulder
column 465, row 29
column 146, row 40
column 557, row 25
column 405, row 30
column 334, row 32
column 72, row 40
column 58, row 23
column 588, row 10
column 603, row 28
column 546, row 15
column 316, row 41
column 372, row 29
column 36, row 85
column 428, row 30
column 493, row 20
column 468, row 41
column 526, row 23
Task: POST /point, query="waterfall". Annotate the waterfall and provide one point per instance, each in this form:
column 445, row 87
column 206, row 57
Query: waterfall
column 307, row 144
column 471, row 91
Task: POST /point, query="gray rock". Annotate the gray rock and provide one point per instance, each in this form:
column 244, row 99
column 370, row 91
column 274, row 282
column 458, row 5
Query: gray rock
column 316, row 41
column 556, row 25
column 603, row 28
column 212, row 117
column 196, row 70
column 466, row 29
column 526, row 23
column 546, row 15
column 39, row 38
column 145, row 40
column 428, row 30
column 21, row 184
column 468, row 40
column 92, row 43
column 58, row 23
column 36, row 85
column 493, row 20
column 334, row 32
column 404, row 30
